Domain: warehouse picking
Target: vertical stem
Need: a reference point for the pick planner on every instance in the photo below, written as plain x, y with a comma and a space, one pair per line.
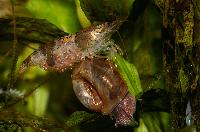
14, 51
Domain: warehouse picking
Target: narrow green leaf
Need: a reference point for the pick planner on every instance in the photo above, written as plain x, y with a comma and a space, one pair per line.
81, 15
129, 74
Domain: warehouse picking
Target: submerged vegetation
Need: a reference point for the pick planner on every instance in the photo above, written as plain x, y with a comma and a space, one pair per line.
150, 47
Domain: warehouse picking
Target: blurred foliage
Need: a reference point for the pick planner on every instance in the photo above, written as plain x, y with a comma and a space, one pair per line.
183, 80
106, 10
153, 122
50, 96
62, 13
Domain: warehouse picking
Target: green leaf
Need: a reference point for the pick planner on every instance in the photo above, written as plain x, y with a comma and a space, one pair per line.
129, 74
59, 12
